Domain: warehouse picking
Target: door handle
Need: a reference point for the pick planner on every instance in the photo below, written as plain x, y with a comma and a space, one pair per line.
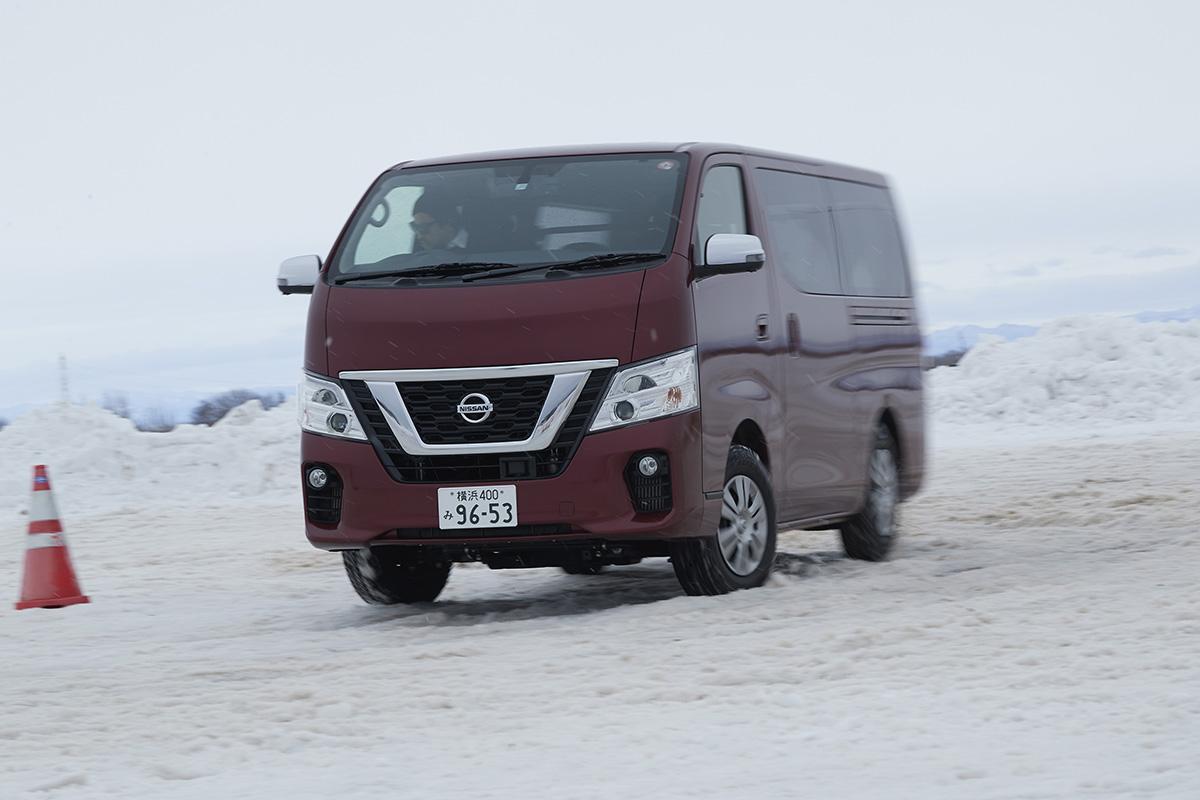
760, 326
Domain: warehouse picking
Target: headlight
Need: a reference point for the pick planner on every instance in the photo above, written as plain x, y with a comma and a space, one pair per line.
667, 385
324, 408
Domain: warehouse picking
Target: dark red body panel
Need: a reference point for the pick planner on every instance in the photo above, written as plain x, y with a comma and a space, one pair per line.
316, 356
590, 495
531, 322
665, 322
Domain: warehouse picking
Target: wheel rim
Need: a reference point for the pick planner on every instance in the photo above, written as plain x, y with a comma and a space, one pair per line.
742, 533
884, 488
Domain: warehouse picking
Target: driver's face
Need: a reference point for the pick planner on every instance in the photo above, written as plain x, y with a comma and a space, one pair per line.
432, 235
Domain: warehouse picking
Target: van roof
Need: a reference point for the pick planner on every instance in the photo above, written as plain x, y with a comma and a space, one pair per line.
698, 149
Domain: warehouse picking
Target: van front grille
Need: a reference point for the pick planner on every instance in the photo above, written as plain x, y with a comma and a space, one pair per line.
478, 467
516, 402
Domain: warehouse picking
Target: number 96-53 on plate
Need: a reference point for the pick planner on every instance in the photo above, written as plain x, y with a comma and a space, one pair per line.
477, 507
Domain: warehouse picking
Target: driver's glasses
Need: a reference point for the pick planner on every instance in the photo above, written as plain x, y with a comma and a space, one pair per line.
422, 228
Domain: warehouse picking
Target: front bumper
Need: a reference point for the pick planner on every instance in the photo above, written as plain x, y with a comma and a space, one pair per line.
590, 496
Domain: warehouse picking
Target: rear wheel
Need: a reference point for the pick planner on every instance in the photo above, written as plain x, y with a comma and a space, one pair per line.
870, 534
386, 576
740, 554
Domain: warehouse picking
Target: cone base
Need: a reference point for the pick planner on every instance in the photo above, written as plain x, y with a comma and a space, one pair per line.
53, 602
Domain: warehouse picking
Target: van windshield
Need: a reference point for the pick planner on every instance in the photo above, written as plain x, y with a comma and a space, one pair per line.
511, 216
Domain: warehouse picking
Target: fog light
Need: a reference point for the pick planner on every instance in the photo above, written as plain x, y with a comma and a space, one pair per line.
317, 478
648, 466
338, 422
648, 478
624, 410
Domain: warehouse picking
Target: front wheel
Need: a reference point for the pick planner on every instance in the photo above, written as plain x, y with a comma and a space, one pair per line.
386, 576
741, 552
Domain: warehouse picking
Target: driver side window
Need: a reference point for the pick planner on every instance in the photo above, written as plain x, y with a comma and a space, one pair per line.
721, 207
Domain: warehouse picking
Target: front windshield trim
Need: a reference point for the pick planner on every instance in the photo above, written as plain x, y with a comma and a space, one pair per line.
336, 273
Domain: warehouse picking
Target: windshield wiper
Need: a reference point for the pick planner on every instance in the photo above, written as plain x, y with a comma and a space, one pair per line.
437, 270
591, 262
609, 260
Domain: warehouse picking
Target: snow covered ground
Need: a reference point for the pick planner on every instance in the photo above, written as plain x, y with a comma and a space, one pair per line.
1036, 635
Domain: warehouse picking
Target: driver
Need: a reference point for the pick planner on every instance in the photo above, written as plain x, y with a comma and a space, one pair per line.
436, 224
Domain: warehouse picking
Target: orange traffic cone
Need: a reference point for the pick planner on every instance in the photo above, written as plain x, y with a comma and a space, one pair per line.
49, 579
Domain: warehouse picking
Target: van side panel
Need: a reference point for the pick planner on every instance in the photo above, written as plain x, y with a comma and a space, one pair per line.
738, 365
820, 465
886, 369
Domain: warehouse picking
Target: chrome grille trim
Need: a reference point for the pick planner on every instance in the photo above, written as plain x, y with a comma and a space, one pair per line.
569, 380
476, 373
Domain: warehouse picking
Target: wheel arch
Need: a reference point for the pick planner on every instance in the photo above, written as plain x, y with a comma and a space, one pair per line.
748, 434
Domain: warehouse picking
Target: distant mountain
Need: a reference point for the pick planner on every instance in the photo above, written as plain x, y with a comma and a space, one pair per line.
963, 337
1180, 315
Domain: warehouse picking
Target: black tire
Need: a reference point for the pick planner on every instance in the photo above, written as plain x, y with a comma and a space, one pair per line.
384, 576
702, 565
870, 534
583, 569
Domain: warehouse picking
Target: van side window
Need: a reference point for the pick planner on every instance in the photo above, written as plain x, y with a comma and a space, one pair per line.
799, 230
868, 240
721, 208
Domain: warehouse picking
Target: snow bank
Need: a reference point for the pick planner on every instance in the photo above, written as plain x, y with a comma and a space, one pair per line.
1076, 373
101, 461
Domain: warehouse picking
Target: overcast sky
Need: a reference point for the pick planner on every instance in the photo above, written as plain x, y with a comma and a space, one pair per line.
157, 160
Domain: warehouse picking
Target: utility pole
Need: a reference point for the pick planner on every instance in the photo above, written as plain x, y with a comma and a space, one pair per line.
64, 385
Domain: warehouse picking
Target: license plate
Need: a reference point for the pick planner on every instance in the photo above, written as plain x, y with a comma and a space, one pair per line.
477, 507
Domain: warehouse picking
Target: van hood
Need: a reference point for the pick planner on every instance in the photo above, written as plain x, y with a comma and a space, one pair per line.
572, 319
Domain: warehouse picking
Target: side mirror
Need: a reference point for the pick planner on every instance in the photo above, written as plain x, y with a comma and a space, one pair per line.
299, 275
728, 253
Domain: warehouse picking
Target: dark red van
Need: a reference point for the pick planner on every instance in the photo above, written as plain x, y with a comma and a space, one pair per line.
586, 356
